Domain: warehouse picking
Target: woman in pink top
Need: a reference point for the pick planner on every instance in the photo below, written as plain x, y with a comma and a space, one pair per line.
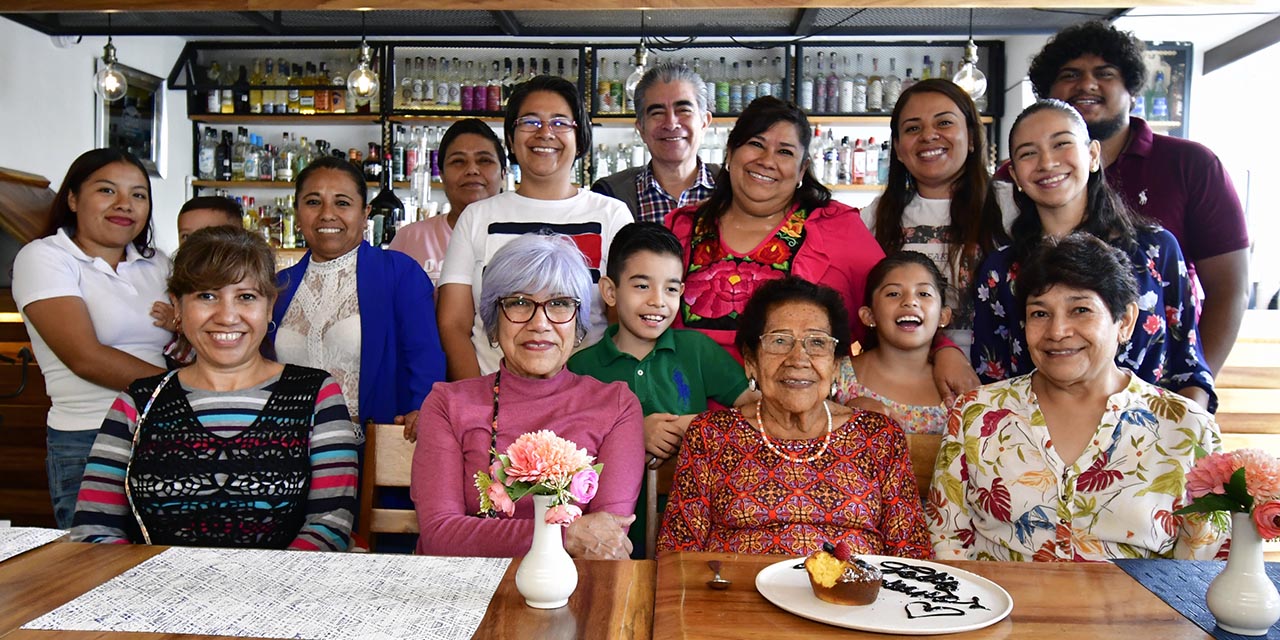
531, 307
472, 167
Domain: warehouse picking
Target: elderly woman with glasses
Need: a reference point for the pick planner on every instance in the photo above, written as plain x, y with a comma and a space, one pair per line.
546, 129
798, 469
534, 290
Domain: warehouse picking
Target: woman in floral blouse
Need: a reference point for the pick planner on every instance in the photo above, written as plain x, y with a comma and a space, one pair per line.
798, 469
1080, 459
770, 217
1057, 171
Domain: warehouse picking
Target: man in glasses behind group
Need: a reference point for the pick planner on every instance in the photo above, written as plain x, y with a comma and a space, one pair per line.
546, 129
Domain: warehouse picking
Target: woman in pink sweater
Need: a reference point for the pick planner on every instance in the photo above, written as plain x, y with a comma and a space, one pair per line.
531, 307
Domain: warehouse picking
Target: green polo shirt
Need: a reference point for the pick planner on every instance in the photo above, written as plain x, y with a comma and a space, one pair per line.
684, 369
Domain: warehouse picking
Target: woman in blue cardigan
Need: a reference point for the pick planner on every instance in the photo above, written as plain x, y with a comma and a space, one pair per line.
363, 314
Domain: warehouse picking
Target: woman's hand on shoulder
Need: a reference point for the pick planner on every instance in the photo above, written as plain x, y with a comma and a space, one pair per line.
165, 315
599, 536
953, 374
410, 422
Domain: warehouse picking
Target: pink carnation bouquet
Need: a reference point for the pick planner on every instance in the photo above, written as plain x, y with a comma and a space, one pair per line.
540, 463
1241, 481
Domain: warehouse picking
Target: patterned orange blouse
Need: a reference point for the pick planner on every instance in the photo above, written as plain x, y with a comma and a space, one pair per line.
731, 494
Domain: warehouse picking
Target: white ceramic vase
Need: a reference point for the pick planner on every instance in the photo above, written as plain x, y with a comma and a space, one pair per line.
1242, 598
547, 576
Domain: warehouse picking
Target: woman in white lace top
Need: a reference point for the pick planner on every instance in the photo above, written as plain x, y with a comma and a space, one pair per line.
363, 314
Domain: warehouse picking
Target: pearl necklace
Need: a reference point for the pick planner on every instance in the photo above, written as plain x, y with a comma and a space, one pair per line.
783, 454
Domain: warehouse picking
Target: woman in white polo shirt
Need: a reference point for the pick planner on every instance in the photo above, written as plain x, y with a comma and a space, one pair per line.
85, 291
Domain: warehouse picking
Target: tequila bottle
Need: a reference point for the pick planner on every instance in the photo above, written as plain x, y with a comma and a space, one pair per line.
875, 88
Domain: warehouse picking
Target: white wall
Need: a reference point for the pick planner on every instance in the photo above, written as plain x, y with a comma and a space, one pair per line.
47, 111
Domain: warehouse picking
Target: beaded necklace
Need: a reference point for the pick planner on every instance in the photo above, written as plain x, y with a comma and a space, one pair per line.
784, 454
493, 436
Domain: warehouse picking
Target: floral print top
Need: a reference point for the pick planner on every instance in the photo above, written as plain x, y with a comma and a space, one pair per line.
913, 418
718, 282
732, 494
1000, 491
1164, 349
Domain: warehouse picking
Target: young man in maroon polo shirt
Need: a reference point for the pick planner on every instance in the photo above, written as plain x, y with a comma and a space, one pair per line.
1179, 183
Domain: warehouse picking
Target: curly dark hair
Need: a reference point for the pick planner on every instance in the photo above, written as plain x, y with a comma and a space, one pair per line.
775, 293
1079, 261
1117, 47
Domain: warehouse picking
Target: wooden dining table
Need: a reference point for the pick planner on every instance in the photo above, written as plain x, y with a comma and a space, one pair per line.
614, 599
1050, 602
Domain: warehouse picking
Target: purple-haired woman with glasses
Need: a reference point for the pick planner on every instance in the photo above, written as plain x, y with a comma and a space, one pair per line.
533, 309
546, 130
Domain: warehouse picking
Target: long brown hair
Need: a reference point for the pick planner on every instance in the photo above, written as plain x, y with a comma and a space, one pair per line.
967, 191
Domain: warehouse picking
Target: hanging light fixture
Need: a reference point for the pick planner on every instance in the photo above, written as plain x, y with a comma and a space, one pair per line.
970, 77
642, 57
363, 82
108, 82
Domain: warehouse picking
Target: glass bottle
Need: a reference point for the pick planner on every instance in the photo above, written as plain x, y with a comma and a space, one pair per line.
252, 156
764, 87
892, 86
722, 87
387, 209
426, 75
407, 80
206, 159
226, 97
238, 151
222, 157
875, 88
295, 85
442, 83
849, 90
618, 89
281, 81
833, 85
214, 97
806, 87
493, 90
255, 87
322, 88
338, 88
307, 92
819, 81
926, 69
466, 87
750, 88
455, 84
735, 90
285, 159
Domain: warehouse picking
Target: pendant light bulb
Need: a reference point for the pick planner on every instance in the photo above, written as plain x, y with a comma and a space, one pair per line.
363, 82
970, 77
642, 57
108, 82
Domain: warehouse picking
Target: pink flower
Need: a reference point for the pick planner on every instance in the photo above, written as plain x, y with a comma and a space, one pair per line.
542, 456
1151, 325
1261, 473
1267, 517
501, 501
563, 514
1210, 475
584, 484
724, 287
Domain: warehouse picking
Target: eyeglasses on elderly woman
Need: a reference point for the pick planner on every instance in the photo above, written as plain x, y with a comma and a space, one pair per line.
519, 309
814, 344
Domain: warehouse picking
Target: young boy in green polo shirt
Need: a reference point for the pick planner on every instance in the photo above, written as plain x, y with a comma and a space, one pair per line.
674, 372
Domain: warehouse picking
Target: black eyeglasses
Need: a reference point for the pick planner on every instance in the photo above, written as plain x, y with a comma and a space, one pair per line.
530, 124
815, 344
519, 309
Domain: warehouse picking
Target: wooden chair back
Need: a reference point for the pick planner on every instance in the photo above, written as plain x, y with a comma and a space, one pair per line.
388, 459
657, 483
924, 452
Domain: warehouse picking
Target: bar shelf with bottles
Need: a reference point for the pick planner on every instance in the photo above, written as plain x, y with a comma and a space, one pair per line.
1164, 99
476, 77
734, 75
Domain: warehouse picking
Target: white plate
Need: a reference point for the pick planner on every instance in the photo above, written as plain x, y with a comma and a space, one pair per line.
788, 588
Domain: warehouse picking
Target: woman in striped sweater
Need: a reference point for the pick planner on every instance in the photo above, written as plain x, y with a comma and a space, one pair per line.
233, 450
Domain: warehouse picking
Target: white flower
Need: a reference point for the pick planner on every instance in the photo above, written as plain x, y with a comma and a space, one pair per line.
1147, 301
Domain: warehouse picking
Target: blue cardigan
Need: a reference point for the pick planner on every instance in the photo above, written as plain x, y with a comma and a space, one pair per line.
400, 354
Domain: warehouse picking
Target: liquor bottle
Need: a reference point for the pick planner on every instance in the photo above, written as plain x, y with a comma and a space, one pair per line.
892, 86
908, 81
266, 162
425, 73
338, 90
806, 87
604, 93
240, 92
407, 82
735, 90
493, 90
433, 152
397, 156
559, 68
373, 163
288, 225
306, 153
442, 83
859, 89
882, 168
875, 88
206, 160
815, 151
1139, 105
843, 160
508, 83
750, 88
386, 208
764, 87
846, 90
222, 157
255, 87
295, 83
573, 70
1159, 98
926, 69
322, 94
238, 151
944, 69
819, 81
708, 89
833, 84
779, 80
285, 157
618, 89
859, 163
466, 87
281, 80
250, 166
871, 173
1175, 93
307, 95
455, 84
546, 66
214, 98
829, 167
722, 87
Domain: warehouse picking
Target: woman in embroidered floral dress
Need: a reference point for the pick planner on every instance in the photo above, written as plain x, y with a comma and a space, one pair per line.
799, 469
769, 217
1080, 459
1058, 173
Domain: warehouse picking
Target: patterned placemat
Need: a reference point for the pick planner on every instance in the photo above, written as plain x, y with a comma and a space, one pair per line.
1182, 585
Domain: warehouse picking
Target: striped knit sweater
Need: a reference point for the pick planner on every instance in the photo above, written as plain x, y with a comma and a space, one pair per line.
326, 500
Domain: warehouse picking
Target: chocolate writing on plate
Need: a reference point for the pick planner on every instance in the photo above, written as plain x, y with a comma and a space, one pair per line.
931, 600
